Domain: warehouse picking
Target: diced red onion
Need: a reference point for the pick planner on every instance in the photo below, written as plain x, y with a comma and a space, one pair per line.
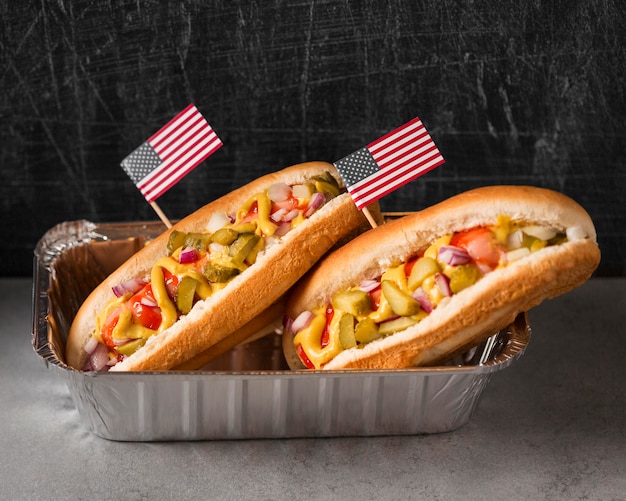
188, 255
369, 285
291, 215
443, 282
133, 285
575, 233
283, 229
278, 192
287, 323
91, 345
302, 321
99, 358
422, 297
484, 268
217, 220
317, 200
278, 215
454, 256
112, 362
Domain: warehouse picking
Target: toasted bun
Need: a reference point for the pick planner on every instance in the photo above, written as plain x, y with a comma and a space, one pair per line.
244, 298
473, 314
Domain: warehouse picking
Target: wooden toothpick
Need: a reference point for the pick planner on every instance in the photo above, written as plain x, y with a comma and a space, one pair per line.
160, 213
369, 217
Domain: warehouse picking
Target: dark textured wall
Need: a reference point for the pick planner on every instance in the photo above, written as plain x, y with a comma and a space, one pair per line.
513, 91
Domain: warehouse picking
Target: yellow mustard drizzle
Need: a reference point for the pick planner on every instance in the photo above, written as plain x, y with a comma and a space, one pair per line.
309, 337
261, 225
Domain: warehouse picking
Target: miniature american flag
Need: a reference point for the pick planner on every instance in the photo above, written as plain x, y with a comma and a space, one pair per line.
384, 165
171, 153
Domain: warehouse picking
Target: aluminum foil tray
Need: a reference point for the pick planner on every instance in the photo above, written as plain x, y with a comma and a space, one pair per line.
248, 392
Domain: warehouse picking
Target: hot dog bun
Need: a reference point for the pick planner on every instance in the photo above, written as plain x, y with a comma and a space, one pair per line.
245, 297
474, 313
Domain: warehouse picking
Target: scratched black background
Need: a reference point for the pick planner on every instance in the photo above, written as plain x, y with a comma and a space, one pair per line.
512, 91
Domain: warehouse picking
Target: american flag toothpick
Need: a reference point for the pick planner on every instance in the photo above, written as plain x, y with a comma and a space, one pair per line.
170, 154
388, 163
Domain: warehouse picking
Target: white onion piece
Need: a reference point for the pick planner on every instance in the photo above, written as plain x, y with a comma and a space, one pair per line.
369, 285
515, 239
302, 321
99, 358
148, 301
278, 192
540, 232
317, 200
301, 191
454, 256
422, 297
516, 254
575, 233
112, 362
91, 345
215, 247
216, 221
443, 282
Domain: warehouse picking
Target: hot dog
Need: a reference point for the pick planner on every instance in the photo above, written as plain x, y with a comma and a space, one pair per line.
213, 272
423, 288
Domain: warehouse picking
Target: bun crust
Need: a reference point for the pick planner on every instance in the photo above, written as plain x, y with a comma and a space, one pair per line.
473, 314
244, 298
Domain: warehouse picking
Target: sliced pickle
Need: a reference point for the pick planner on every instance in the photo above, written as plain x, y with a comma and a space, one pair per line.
396, 325
401, 303
366, 331
463, 276
356, 302
185, 294
346, 331
242, 246
130, 347
175, 241
198, 241
224, 236
326, 187
423, 268
216, 273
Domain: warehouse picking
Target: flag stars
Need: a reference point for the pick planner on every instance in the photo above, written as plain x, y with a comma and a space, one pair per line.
356, 166
141, 162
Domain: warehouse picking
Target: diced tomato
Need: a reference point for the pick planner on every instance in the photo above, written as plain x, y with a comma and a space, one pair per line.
408, 266
252, 213
375, 297
305, 360
481, 244
330, 313
148, 316
107, 329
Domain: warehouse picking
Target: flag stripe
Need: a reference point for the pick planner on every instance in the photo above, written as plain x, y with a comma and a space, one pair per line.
173, 161
170, 126
153, 191
387, 185
158, 181
394, 134
401, 155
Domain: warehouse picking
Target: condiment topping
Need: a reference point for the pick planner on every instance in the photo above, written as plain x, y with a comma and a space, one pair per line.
408, 292
198, 264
